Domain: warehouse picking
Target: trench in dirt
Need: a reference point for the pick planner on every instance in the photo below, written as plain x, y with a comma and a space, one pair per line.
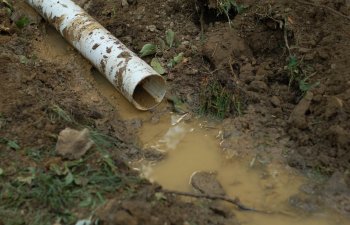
194, 145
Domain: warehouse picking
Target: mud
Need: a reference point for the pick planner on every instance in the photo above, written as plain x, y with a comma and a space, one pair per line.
286, 116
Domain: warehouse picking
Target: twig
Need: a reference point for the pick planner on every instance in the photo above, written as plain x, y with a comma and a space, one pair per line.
285, 34
325, 7
234, 201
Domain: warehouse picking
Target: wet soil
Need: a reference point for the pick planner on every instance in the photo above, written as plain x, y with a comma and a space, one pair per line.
252, 59
285, 65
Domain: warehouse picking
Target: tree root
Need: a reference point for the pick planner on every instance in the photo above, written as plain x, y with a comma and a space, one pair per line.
234, 201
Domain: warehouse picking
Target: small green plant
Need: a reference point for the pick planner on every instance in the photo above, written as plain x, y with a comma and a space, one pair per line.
157, 66
12, 144
215, 100
148, 49
176, 60
59, 113
22, 22
225, 6
298, 77
154, 49
62, 188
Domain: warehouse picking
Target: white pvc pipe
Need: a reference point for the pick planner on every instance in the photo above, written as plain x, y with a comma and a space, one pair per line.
134, 78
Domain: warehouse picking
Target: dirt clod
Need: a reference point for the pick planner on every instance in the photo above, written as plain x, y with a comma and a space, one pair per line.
298, 117
73, 144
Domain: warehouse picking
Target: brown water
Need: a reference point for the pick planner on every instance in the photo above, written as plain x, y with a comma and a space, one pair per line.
192, 146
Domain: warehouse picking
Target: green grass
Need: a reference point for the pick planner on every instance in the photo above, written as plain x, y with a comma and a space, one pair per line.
215, 100
59, 114
44, 194
61, 189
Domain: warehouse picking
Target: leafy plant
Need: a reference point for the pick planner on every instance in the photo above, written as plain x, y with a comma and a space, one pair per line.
151, 48
297, 76
148, 49
225, 6
170, 37
177, 59
154, 49
157, 66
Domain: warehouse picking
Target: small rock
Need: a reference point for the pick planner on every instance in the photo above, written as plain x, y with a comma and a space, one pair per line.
258, 86
73, 144
125, 3
334, 105
151, 28
275, 101
206, 183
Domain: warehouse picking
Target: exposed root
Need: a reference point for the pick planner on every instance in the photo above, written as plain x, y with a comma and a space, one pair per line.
234, 201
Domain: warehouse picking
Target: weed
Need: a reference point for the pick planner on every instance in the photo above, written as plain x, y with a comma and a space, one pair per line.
58, 190
59, 113
163, 45
103, 141
215, 100
238, 105
297, 77
176, 60
151, 48
22, 22
34, 154
225, 6
12, 144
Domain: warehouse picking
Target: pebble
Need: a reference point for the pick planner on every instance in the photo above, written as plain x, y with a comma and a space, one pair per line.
151, 28
275, 101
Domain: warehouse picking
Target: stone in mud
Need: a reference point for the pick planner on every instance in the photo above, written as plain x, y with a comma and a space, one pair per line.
275, 101
206, 183
73, 144
298, 117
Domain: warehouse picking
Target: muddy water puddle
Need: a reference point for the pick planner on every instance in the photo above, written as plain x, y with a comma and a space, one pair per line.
194, 145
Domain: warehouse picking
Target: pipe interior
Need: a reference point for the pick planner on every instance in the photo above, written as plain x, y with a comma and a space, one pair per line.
150, 91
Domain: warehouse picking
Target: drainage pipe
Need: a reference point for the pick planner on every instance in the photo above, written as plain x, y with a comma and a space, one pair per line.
134, 78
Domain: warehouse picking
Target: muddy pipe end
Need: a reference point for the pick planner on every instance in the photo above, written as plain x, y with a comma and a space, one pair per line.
149, 92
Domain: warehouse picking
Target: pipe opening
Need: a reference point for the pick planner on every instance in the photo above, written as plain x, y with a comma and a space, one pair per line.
149, 92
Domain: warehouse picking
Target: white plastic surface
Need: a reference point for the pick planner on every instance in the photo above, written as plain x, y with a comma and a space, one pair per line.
134, 78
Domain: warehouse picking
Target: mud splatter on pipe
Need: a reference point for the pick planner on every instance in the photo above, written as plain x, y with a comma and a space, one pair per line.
134, 78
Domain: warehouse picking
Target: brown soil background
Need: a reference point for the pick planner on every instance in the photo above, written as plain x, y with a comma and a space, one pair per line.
250, 59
